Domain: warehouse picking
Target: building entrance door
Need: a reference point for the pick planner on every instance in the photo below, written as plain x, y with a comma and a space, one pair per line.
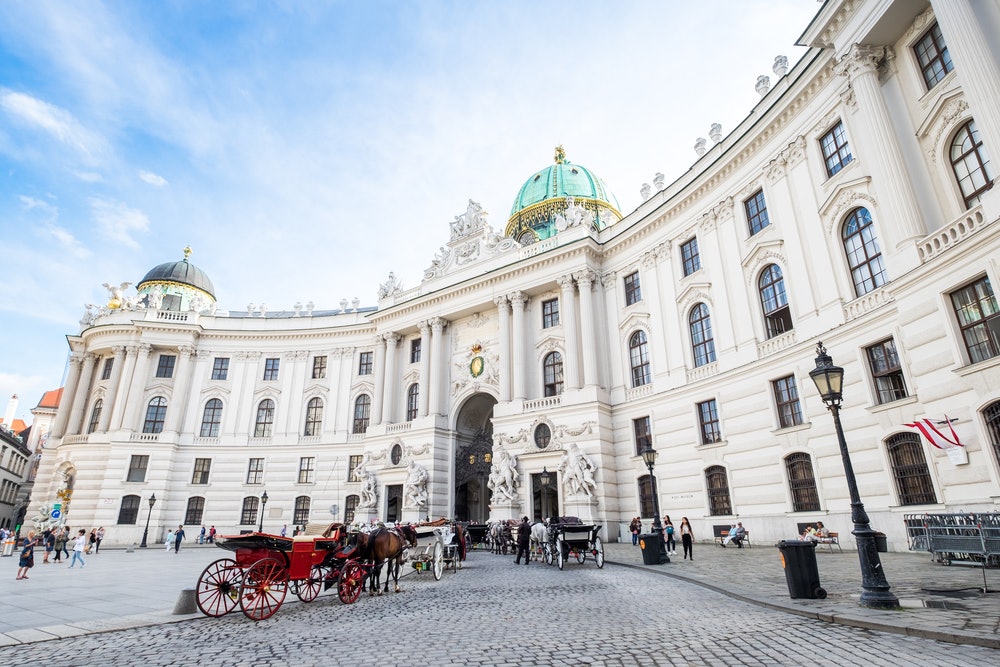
544, 497
393, 503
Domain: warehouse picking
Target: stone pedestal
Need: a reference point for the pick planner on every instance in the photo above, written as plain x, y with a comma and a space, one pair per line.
415, 514
508, 509
580, 505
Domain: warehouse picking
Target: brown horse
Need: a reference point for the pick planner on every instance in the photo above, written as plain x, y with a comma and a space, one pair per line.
384, 546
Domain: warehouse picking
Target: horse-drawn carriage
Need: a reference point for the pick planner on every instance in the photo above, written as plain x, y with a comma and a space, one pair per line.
477, 536
441, 545
569, 538
265, 566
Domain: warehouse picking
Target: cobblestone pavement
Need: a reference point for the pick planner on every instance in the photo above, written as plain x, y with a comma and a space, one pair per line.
495, 612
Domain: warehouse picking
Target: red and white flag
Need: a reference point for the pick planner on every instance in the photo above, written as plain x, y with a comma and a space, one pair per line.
934, 435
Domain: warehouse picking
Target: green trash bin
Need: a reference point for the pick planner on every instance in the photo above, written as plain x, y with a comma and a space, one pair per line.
801, 572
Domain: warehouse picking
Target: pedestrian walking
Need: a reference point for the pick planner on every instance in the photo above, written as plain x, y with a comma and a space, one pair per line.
79, 544
178, 536
49, 540
284, 530
169, 542
635, 528
211, 534
61, 538
668, 531
687, 537
202, 535
523, 540
27, 558
100, 536
91, 540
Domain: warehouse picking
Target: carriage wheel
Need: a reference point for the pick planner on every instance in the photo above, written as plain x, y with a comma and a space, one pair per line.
352, 579
599, 552
560, 557
264, 587
438, 561
309, 589
581, 555
218, 590
548, 554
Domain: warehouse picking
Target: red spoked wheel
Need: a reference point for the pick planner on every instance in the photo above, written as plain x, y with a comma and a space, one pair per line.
219, 586
309, 589
265, 584
352, 580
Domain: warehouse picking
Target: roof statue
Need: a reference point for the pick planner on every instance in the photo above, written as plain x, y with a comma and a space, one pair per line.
390, 287
469, 222
560, 157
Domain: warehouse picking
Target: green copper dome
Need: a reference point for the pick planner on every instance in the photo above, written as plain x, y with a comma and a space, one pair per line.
546, 193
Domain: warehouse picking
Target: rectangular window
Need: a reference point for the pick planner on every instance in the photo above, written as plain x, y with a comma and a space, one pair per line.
248, 515
888, 376
786, 399
690, 256
643, 434
307, 468
220, 368
932, 54
201, 469
129, 511
836, 152
165, 367
301, 515
255, 471
108, 365
365, 363
352, 467
415, 351
319, 368
756, 209
633, 294
550, 313
137, 468
708, 421
271, 368
976, 309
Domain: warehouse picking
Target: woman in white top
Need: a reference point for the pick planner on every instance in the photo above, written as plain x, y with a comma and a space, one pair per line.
79, 544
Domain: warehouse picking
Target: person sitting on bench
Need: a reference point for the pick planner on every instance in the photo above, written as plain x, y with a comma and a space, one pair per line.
736, 534
821, 532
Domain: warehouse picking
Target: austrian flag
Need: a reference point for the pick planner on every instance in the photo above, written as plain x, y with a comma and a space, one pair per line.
930, 430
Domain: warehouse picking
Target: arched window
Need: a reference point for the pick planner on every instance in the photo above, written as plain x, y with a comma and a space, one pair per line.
971, 164
717, 482
646, 496
774, 301
702, 343
638, 355
195, 511
314, 417
362, 413
412, 401
156, 412
350, 506
552, 374
863, 254
129, 511
265, 419
301, 515
248, 515
992, 417
95, 415
909, 469
211, 418
802, 483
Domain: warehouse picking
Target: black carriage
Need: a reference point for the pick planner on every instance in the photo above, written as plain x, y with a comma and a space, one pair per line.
568, 537
477, 536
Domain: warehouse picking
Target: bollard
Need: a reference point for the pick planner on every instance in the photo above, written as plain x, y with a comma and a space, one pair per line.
130, 548
186, 602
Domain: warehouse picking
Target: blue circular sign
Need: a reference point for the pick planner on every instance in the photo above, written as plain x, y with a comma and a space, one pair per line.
56, 514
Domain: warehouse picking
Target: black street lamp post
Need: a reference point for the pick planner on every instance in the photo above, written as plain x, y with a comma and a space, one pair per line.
145, 533
545, 478
829, 381
263, 504
649, 457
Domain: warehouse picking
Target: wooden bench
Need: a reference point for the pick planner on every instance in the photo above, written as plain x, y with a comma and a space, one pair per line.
833, 539
722, 532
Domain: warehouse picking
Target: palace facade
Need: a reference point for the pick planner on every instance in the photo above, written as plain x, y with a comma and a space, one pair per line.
534, 362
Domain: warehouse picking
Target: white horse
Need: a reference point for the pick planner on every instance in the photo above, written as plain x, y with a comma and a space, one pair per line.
539, 536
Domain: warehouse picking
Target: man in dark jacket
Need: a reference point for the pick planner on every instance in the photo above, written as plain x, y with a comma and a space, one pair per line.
523, 540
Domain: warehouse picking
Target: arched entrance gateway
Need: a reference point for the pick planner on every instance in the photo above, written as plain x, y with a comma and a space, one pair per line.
473, 458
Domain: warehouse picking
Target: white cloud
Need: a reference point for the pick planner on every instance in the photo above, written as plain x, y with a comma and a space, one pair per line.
117, 221
152, 179
30, 203
57, 122
89, 177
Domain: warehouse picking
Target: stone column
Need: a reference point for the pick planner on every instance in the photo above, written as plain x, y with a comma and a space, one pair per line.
567, 309
69, 394
342, 395
425, 368
613, 363
137, 388
970, 48
390, 382
292, 383
519, 302
378, 378
503, 310
438, 364
80, 396
585, 281
898, 212
121, 396
180, 396
111, 396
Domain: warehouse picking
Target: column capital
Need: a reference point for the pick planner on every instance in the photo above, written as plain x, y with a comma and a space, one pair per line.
424, 327
76, 359
861, 59
501, 301
118, 351
185, 350
519, 299
203, 354
392, 338
438, 323
608, 279
585, 279
565, 282
144, 349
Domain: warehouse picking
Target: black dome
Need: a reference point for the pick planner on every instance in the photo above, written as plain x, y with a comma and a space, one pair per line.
180, 272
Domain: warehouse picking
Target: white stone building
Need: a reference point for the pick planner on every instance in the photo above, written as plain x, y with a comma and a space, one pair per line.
852, 206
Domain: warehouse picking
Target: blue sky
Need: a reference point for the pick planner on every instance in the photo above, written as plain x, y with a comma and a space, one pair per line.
306, 149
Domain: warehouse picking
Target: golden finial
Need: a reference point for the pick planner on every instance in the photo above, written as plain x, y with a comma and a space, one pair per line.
560, 155
187, 252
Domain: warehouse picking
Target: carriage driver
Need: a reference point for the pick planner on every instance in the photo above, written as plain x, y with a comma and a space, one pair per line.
523, 540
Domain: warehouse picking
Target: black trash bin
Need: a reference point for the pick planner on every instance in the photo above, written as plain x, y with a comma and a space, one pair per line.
650, 543
799, 560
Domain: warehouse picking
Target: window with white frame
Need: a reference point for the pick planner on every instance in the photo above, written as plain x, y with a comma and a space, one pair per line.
638, 354
702, 341
886, 372
756, 210
971, 164
265, 419
863, 254
307, 470
774, 301
211, 419
978, 318
932, 54
314, 417
633, 291
836, 151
